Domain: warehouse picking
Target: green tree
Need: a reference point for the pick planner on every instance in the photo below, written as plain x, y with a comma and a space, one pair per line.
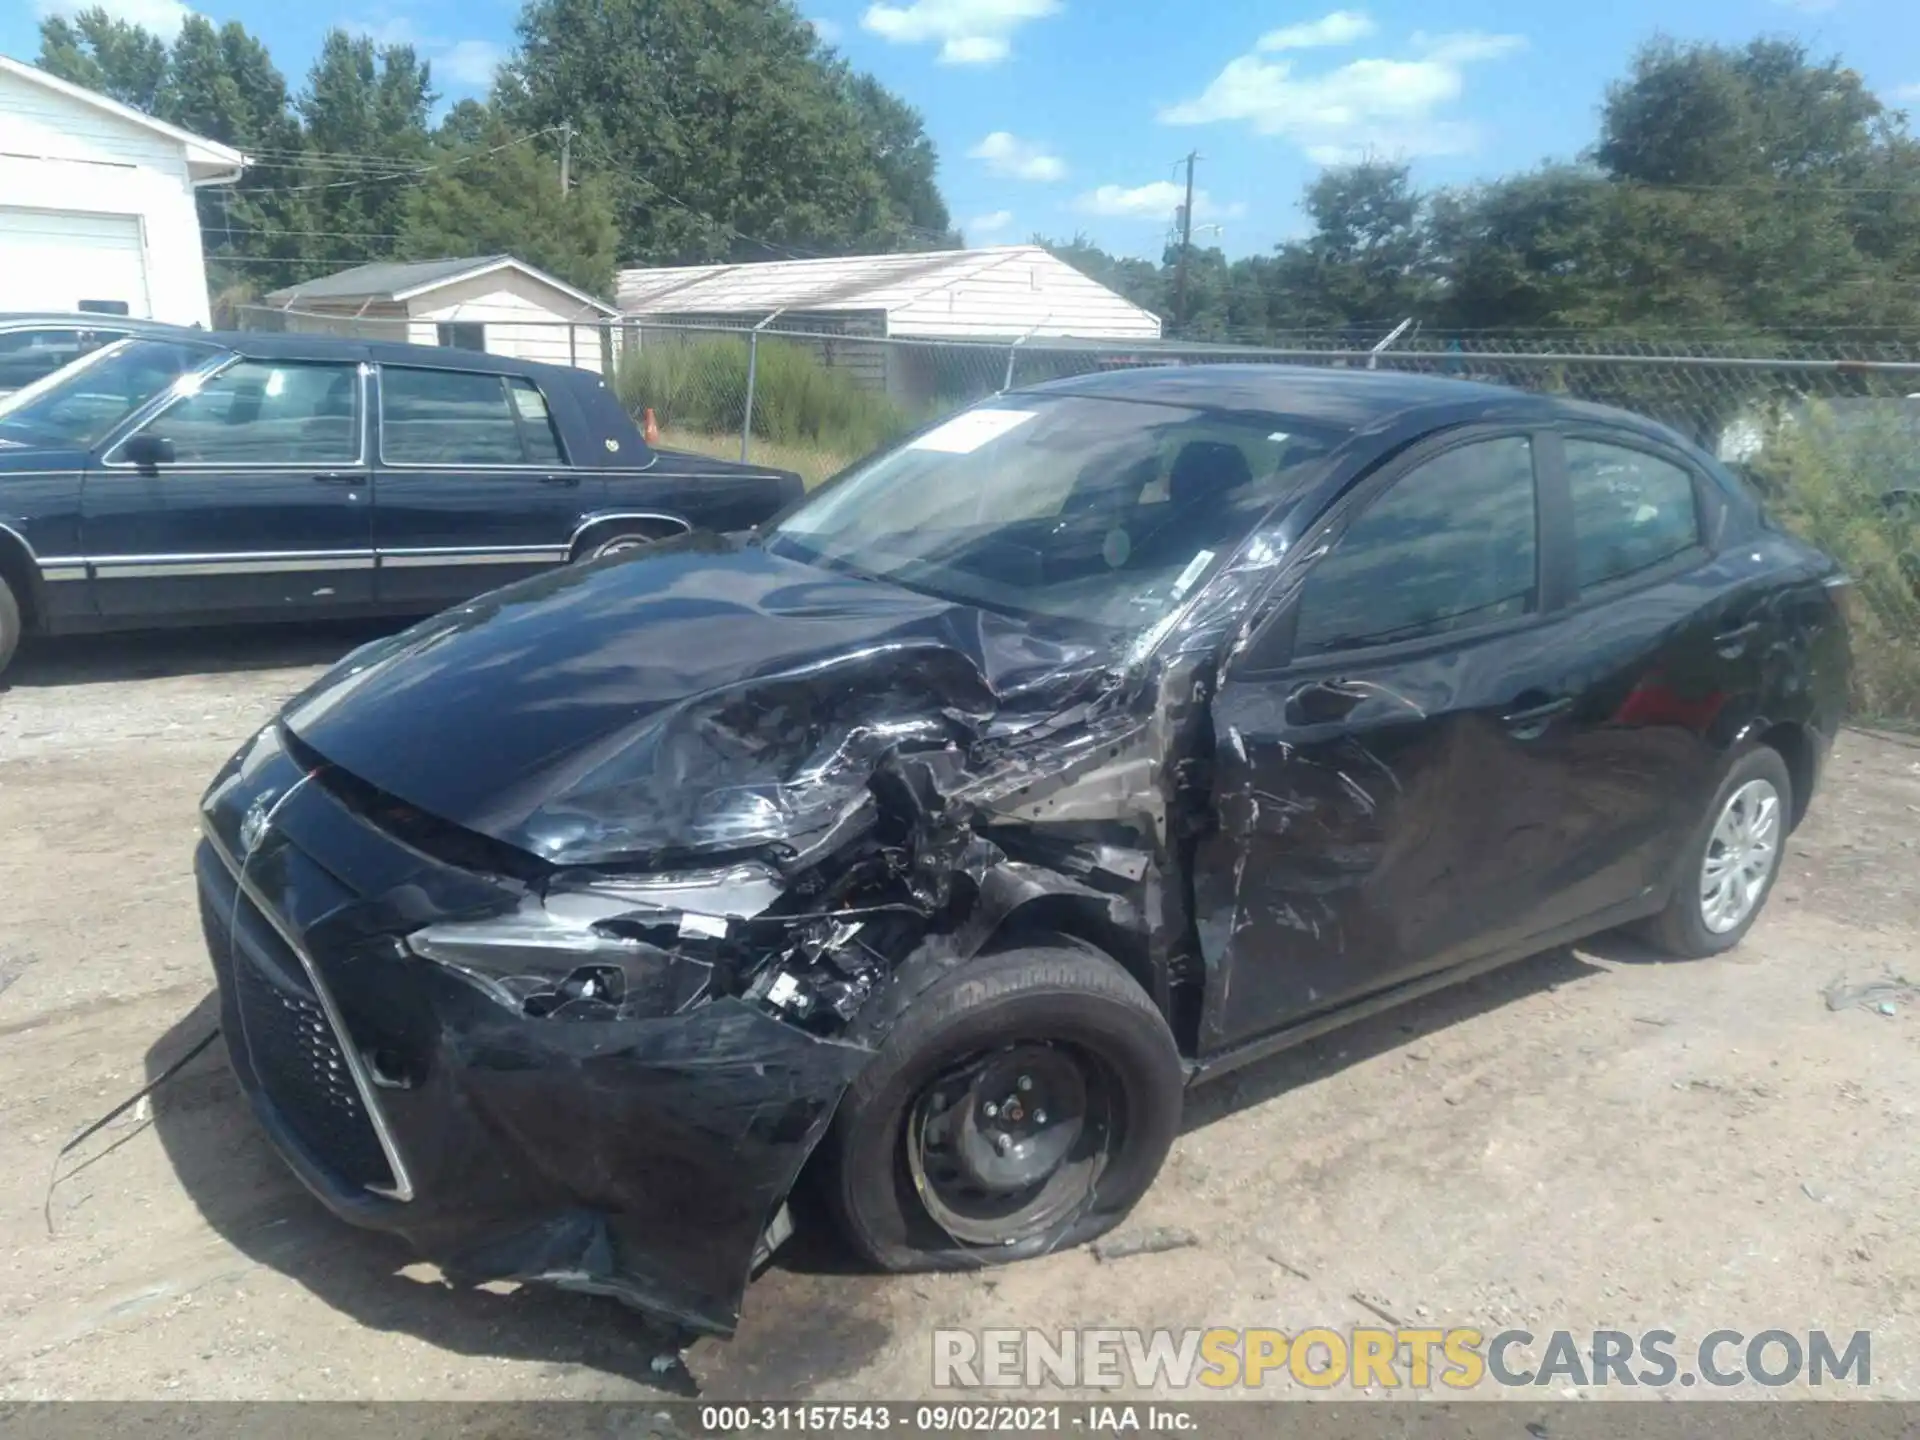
222, 83
724, 130
896, 137
108, 55
364, 114
493, 194
1369, 259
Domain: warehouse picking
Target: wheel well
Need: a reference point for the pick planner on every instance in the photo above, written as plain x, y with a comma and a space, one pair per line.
23, 578
654, 527
1082, 918
1796, 748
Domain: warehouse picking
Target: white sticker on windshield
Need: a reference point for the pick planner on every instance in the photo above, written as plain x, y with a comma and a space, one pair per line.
966, 433
1196, 567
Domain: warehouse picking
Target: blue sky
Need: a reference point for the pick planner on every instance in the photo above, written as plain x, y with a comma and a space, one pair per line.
1060, 116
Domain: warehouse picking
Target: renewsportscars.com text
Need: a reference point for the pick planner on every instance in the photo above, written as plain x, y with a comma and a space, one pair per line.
1365, 1357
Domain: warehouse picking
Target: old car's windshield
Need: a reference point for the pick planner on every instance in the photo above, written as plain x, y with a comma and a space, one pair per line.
80, 404
1103, 511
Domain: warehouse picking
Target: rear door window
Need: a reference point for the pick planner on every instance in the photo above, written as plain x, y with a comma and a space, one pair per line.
1450, 546
1632, 511
457, 417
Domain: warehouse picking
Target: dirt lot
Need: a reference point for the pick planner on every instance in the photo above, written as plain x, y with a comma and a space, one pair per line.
1585, 1140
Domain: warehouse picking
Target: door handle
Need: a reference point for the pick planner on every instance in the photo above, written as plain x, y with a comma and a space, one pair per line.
1531, 722
1731, 642
335, 477
559, 479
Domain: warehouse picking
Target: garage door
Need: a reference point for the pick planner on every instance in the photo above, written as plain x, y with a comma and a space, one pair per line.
55, 259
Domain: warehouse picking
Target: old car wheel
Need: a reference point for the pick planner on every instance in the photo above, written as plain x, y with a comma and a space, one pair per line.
9, 625
1729, 866
1024, 1103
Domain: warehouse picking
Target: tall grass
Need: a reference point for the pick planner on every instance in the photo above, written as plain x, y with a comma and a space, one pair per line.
699, 386
1827, 476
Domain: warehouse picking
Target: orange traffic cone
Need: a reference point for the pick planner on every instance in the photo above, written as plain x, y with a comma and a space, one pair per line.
651, 429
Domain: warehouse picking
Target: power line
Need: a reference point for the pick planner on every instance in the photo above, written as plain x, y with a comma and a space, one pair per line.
217, 231
413, 174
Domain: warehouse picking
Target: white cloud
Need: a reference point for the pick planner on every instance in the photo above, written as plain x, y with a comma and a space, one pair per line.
1368, 105
828, 30
1018, 159
1907, 92
1157, 200
970, 32
992, 223
163, 17
472, 62
1342, 27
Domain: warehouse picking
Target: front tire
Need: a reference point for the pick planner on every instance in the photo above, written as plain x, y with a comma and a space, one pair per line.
9, 625
1730, 862
1025, 1103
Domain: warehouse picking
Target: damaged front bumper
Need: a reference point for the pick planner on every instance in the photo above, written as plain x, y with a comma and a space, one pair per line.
633, 1136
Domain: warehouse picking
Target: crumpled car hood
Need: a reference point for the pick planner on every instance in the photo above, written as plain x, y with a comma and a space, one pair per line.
705, 696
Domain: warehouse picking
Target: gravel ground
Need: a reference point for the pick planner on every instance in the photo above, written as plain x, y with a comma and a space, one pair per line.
1590, 1139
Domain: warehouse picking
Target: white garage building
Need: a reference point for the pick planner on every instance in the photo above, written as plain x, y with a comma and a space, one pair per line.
97, 203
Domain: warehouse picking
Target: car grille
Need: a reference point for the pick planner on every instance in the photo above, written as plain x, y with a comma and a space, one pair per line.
293, 1050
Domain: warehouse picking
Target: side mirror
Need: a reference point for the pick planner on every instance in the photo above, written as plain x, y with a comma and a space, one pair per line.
148, 452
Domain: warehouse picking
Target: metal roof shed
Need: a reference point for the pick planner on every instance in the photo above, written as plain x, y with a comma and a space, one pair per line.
996, 295
1000, 293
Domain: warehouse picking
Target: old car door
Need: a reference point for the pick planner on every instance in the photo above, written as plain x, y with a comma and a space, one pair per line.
475, 487
1383, 805
247, 493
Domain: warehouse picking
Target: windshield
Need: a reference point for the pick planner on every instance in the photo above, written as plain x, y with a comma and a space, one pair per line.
82, 403
1108, 512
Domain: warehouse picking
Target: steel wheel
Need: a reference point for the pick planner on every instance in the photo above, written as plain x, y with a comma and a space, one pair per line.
1740, 856
1007, 1145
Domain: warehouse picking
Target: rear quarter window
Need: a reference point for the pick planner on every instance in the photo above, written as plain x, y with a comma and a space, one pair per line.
1632, 511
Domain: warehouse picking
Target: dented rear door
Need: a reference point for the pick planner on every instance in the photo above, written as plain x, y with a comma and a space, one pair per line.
1387, 770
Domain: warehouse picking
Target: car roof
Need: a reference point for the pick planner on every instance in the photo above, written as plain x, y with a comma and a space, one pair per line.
276, 345
89, 320
279, 345
1329, 396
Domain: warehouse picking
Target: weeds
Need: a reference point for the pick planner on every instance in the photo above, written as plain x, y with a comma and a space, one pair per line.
699, 387
1836, 478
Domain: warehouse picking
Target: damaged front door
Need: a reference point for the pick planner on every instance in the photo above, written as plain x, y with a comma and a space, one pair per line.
1381, 794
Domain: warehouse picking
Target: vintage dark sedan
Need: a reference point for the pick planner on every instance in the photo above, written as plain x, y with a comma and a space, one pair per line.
1094, 742
203, 478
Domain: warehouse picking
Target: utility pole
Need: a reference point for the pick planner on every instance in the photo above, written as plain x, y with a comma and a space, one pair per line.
1186, 249
566, 156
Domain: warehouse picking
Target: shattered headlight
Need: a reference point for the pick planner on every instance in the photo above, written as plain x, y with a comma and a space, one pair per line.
599, 947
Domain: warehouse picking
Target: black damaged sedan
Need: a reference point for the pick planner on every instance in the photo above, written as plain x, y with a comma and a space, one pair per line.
933, 840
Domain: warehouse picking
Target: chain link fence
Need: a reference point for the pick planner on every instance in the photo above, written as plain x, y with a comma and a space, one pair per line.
1828, 432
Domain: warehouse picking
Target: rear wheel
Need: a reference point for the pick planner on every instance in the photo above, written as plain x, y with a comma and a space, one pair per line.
1730, 863
619, 544
1024, 1103
9, 625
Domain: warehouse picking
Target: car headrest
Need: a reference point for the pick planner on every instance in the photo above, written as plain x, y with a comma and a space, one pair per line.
1204, 469
338, 401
